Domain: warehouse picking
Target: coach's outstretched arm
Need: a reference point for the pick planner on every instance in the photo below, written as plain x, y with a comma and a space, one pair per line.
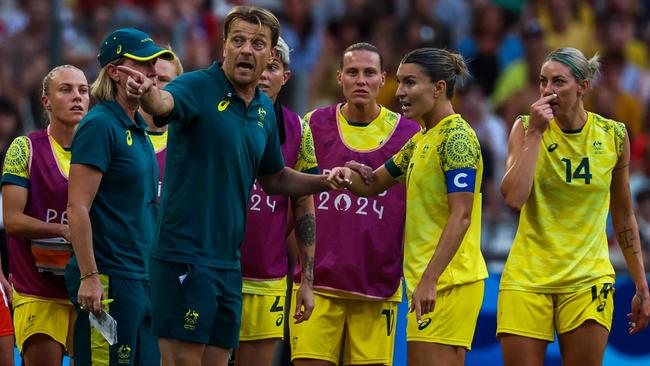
153, 100
292, 183
361, 180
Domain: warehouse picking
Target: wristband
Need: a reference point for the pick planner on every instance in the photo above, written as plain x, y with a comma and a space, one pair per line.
89, 274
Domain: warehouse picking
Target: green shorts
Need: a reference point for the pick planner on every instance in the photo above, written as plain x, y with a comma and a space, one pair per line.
194, 303
131, 308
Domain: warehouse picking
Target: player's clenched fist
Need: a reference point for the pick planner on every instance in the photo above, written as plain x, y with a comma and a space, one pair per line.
137, 83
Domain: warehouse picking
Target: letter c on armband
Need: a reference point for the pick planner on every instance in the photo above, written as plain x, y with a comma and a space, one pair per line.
460, 180
457, 181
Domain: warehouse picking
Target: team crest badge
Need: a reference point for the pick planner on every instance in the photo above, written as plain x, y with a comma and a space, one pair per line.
191, 319
124, 354
262, 114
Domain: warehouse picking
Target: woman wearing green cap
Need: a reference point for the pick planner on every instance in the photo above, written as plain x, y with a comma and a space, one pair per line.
566, 169
112, 205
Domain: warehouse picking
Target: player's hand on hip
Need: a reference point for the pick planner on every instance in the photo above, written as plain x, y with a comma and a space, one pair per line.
137, 84
423, 300
363, 170
640, 312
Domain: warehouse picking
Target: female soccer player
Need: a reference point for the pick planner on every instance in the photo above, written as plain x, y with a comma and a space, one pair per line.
35, 191
566, 169
443, 265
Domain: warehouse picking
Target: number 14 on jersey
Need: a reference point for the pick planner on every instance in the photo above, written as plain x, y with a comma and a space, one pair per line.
581, 171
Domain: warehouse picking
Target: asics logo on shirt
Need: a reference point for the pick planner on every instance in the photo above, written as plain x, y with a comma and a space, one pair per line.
551, 147
129, 139
224, 103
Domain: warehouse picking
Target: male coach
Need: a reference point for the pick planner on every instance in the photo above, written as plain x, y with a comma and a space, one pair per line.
223, 135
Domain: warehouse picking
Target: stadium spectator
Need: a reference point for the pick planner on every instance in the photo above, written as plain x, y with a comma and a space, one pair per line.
516, 87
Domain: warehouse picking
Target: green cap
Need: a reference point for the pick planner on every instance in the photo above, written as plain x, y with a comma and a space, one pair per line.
132, 43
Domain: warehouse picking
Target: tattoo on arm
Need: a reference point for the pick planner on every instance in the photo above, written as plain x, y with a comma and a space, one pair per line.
626, 238
308, 270
306, 229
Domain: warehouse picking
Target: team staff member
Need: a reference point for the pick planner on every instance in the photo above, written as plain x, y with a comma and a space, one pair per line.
264, 251
358, 263
566, 168
112, 207
223, 135
166, 71
443, 265
35, 191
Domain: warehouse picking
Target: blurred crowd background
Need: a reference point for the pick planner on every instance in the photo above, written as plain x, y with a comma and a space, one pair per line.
504, 42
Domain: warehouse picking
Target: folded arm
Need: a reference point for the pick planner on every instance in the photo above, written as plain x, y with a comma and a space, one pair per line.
20, 224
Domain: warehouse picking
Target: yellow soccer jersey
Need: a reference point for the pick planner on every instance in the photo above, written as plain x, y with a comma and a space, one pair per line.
365, 137
561, 244
307, 154
442, 160
158, 140
19, 155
